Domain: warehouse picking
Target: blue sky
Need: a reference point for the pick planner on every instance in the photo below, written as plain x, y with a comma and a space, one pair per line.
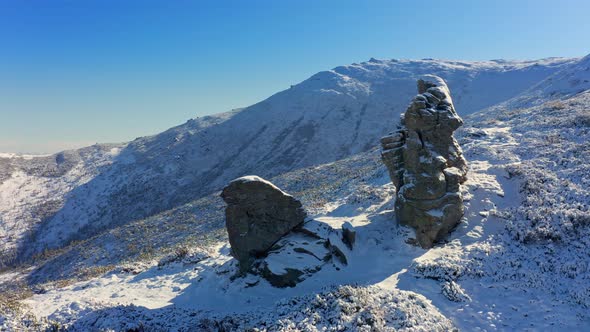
73, 73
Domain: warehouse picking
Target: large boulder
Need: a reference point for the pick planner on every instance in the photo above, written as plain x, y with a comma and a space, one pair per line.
426, 164
258, 214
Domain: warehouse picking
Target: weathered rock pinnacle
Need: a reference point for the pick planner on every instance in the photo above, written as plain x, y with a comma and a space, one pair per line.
426, 164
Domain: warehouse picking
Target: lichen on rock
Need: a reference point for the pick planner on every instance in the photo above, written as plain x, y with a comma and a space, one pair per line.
425, 163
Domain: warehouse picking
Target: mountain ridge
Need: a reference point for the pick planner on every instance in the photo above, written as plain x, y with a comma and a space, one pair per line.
331, 115
518, 259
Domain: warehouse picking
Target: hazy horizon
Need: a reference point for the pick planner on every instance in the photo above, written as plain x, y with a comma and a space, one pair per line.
75, 74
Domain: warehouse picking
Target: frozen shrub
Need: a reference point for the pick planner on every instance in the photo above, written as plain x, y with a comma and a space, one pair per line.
453, 292
185, 255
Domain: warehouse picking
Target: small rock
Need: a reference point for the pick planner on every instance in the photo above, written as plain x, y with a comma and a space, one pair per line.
348, 234
338, 248
453, 292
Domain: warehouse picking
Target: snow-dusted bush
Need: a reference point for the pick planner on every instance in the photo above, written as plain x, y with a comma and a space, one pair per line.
366, 195
15, 317
345, 308
184, 255
453, 291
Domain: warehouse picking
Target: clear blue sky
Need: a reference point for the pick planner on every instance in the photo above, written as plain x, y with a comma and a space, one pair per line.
73, 73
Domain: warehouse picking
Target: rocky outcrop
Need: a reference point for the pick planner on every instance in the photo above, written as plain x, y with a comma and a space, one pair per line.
258, 214
271, 237
301, 253
426, 164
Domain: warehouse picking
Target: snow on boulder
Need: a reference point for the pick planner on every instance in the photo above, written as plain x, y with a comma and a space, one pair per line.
426, 164
258, 214
301, 253
293, 258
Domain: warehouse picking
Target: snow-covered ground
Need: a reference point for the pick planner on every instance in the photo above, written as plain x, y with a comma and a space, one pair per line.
481, 279
519, 260
332, 115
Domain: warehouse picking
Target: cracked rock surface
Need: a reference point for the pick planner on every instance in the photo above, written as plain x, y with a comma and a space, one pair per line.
426, 164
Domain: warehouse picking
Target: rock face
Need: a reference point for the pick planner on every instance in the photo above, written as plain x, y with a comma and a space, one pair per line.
271, 237
426, 164
348, 234
258, 214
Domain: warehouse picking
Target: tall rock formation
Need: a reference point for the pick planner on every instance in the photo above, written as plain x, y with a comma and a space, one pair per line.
426, 164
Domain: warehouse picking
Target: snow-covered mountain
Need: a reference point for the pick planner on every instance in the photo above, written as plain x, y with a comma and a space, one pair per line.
153, 252
334, 114
569, 81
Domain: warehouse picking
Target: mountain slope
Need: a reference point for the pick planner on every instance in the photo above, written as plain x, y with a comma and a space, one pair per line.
519, 259
567, 82
332, 115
